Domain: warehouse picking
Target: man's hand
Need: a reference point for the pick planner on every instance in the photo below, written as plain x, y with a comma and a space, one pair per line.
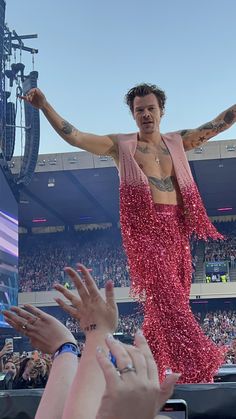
44, 331
89, 308
35, 97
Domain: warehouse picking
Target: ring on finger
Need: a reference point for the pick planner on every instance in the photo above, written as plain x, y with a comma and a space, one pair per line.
24, 326
128, 368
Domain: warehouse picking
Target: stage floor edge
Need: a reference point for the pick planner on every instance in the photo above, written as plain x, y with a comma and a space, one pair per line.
215, 401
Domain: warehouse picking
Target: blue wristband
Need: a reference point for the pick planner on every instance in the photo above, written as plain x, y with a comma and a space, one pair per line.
67, 348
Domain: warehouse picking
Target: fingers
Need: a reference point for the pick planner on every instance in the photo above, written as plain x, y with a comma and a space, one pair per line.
17, 322
24, 314
123, 359
36, 311
109, 292
142, 345
72, 311
75, 300
29, 95
89, 281
167, 388
82, 290
108, 369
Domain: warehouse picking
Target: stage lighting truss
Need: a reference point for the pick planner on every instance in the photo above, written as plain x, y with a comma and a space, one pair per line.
19, 121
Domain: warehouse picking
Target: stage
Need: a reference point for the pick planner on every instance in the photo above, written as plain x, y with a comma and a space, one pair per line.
205, 401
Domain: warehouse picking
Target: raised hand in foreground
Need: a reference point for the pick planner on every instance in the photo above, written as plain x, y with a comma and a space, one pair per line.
97, 316
133, 389
94, 313
48, 334
44, 331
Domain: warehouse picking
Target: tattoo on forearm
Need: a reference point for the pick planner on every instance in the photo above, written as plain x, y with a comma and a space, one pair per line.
213, 126
67, 128
163, 185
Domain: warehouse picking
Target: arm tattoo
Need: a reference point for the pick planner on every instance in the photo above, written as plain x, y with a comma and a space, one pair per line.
163, 185
213, 126
67, 128
144, 149
184, 132
229, 117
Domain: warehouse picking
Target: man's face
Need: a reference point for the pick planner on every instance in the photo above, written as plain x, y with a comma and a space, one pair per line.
147, 113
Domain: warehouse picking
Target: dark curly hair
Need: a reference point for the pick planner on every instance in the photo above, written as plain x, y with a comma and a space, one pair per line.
145, 89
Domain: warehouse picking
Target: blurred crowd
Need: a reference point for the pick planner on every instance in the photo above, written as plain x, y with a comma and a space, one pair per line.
42, 259
220, 326
223, 250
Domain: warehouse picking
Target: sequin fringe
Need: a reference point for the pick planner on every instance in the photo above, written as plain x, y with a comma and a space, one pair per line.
156, 240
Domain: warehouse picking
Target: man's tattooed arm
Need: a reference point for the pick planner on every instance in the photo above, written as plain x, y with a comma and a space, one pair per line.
193, 138
163, 184
67, 128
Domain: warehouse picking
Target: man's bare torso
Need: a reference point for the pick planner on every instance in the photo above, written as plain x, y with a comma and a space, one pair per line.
156, 163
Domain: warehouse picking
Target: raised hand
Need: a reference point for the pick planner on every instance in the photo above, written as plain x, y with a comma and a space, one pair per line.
91, 310
44, 331
7, 348
35, 97
133, 389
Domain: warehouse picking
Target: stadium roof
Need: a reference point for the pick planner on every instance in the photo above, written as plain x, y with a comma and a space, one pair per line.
80, 188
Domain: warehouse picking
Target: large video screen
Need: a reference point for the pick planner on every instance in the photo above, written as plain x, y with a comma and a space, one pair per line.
8, 247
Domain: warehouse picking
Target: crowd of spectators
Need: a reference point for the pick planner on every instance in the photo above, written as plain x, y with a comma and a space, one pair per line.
31, 370
42, 259
23, 370
219, 326
223, 250
127, 324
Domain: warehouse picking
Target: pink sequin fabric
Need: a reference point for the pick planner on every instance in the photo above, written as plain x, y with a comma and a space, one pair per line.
156, 241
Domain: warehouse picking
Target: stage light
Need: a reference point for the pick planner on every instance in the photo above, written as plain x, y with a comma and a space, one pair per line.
225, 209
39, 220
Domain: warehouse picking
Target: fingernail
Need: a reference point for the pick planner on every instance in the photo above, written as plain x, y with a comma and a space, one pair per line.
109, 336
99, 349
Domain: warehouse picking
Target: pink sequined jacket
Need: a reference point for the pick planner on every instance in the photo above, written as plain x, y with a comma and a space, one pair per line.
196, 219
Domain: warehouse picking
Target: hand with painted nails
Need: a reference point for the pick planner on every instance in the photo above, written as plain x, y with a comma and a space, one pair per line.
35, 97
133, 389
93, 312
44, 331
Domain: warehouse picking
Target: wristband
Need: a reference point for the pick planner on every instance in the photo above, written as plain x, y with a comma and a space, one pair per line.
67, 347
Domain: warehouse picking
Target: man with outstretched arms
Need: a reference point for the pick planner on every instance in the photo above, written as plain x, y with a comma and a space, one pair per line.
160, 209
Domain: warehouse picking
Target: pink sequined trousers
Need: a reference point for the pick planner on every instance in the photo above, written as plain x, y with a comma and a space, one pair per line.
158, 251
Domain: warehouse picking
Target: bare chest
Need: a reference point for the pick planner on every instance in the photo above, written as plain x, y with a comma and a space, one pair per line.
154, 161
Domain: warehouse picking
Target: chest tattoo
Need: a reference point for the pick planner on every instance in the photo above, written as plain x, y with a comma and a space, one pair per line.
163, 184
